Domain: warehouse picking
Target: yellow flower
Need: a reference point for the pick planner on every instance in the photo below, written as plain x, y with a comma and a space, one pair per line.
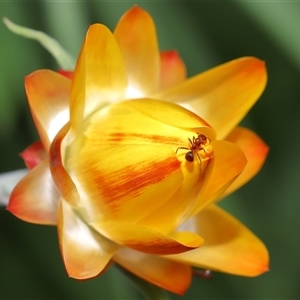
136, 182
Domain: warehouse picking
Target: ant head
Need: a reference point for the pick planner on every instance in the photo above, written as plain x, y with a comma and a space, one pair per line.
202, 137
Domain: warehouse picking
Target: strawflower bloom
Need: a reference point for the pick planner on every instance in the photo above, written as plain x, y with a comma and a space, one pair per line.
134, 157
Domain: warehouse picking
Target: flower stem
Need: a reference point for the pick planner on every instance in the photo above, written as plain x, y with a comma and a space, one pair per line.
63, 58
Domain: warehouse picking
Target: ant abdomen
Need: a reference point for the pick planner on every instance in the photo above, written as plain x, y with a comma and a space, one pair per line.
189, 156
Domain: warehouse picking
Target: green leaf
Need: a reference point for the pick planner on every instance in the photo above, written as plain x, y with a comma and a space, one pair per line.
63, 58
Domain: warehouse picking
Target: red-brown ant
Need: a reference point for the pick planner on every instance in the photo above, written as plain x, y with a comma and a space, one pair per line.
196, 145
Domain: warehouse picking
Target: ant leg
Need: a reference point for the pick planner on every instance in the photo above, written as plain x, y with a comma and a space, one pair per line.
183, 148
199, 158
203, 150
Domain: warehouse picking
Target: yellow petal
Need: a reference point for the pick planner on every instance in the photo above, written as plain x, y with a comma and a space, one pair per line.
229, 246
196, 176
169, 275
172, 69
229, 162
35, 198
85, 252
48, 96
133, 156
125, 182
222, 95
170, 114
256, 153
136, 36
147, 240
99, 76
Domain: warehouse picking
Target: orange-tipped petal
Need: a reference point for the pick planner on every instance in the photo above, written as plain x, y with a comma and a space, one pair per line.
33, 154
229, 162
222, 95
169, 275
99, 76
68, 74
85, 252
256, 153
35, 198
136, 36
48, 96
229, 246
172, 69
147, 240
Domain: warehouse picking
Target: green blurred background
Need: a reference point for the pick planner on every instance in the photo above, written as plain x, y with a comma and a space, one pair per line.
205, 34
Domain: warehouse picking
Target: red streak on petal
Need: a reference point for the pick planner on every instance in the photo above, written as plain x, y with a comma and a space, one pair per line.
158, 247
119, 136
129, 182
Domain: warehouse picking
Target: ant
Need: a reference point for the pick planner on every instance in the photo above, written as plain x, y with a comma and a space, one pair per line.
196, 145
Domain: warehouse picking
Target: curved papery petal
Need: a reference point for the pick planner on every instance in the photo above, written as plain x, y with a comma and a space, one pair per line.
170, 114
33, 154
123, 159
229, 246
147, 240
177, 208
136, 36
99, 76
61, 178
172, 69
141, 122
85, 252
125, 187
48, 96
256, 153
222, 95
35, 198
169, 275
229, 162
